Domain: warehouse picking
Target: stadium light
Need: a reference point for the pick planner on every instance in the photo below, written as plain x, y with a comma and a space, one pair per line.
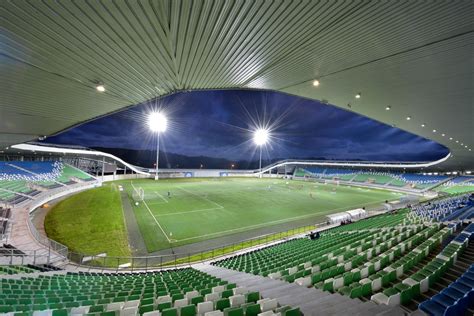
358, 95
316, 83
157, 122
260, 138
100, 87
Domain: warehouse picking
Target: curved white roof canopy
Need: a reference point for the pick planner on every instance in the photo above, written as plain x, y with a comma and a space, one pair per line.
79, 152
413, 56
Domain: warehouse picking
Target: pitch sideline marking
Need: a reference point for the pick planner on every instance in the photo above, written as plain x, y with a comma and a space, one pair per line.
187, 212
156, 221
264, 224
204, 198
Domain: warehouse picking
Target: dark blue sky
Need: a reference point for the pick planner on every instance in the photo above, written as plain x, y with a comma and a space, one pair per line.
218, 124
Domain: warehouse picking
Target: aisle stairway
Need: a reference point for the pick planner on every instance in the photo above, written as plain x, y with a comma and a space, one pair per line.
464, 261
311, 301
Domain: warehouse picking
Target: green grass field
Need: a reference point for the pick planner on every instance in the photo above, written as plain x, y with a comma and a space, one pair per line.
90, 222
200, 209
456, 189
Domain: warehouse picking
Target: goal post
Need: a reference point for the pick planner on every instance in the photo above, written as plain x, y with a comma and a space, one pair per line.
138, 194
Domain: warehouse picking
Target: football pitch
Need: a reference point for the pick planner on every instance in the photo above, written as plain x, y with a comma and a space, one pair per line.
175, 212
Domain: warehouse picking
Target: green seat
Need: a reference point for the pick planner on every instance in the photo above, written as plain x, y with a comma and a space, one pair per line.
189, 310
145, 308
222, 304
6, 309
59, 312
163, 306
96, 309
253, 310
169, 312
196, 300
292, 312
253, 297
227, 293
235, 311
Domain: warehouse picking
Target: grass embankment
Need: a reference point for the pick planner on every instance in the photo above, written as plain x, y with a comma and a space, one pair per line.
90, 222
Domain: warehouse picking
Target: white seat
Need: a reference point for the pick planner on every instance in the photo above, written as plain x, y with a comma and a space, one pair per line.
214, 313
180, 303
218, 289
267, 313
240, 290
134, 303
152, 313
133, 311
192, 294
306, 281
43, 313
114, 306
80, 310
268, 305
212, 297
205, 307
237, 300
163, 299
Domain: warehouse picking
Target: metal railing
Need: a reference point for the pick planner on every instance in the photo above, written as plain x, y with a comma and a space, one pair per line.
185, 259
49, 244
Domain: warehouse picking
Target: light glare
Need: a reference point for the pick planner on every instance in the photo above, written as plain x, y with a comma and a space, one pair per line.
100, 88
157, 122
316, 83
260, 136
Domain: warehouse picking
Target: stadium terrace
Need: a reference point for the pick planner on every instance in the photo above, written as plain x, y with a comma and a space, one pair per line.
158, 158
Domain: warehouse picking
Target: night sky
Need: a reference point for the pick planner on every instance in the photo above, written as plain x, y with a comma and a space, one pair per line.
219, 123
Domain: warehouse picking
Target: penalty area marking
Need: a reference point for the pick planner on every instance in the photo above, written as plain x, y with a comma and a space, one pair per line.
151, 213
161, 196
204, 198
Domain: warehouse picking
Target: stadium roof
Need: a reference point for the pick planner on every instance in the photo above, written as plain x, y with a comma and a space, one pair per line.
411, 57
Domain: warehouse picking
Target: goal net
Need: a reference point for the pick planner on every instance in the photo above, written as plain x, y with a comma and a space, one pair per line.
138, 194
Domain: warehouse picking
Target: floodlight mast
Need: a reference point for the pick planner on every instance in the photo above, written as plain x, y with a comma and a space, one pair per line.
157, 122
260, 138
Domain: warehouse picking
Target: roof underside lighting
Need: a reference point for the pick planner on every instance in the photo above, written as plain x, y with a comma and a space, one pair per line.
100, 87
358, 95
408, 118
388, 107
316, 83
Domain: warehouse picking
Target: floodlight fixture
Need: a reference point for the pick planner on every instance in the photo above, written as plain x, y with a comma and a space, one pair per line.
316, 83
358, 95
157, 122
100, 87
261, 136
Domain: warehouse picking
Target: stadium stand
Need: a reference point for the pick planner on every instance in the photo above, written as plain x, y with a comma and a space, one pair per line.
20, 180
396, 179
392, 259
184, 292
457, 207
30, 268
